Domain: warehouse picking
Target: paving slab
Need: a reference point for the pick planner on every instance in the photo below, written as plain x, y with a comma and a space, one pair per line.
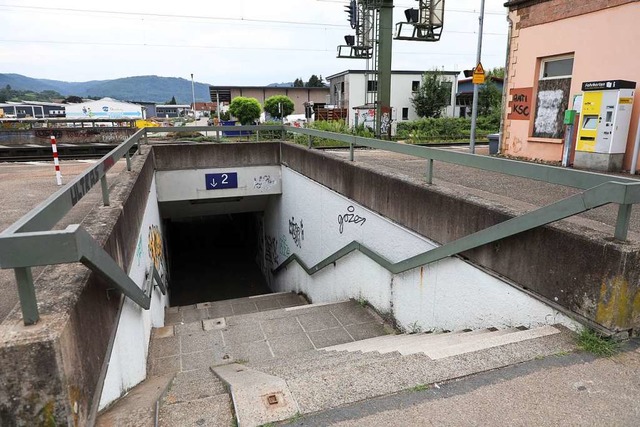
138, 407
208, 412
258, 398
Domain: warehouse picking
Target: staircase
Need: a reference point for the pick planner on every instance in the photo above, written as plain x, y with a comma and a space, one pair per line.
269, 358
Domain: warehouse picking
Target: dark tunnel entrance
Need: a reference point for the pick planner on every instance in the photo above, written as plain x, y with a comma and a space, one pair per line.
213, 258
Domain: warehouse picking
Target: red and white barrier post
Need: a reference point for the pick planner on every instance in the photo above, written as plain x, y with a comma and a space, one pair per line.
56, 162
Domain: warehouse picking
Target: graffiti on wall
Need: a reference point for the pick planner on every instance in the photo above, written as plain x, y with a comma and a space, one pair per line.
155, 245
296, 231
139, 251
520, 103
271, 250
264, 182
283, 247
349, 218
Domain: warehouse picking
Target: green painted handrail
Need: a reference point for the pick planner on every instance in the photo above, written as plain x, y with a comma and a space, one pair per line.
610, 192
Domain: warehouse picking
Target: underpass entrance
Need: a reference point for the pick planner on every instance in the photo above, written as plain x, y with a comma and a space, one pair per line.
213, 258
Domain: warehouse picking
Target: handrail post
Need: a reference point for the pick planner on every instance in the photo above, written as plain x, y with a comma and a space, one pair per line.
309, 140
105, 190
430, 171
128, 157
351, 144
622, 223
27, 295
146, 140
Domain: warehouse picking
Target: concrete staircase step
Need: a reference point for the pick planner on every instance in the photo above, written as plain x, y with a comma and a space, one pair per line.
347, 359
448, 340
302, 357
494, 339
232, 307
335, 386
394, 342
290, 312
138, 406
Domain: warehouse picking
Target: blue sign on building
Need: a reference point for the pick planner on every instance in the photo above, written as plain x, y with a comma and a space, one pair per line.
219, 181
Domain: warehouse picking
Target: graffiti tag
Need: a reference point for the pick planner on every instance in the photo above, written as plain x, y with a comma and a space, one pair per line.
349, 218
283, 248
264, 182
296, 231
271, 250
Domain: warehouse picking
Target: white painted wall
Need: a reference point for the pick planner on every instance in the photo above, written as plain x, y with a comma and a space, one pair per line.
190, 184
449, 294
128, 361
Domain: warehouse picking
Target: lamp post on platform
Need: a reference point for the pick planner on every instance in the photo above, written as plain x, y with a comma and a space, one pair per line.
474, 108
193, 96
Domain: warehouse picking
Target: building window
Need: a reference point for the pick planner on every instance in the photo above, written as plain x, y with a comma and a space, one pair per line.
552, 97
372, 86
556, 68
415, 85
342, 87
405, 113
449, 86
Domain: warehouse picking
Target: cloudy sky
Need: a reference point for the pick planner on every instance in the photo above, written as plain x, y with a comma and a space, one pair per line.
239, 42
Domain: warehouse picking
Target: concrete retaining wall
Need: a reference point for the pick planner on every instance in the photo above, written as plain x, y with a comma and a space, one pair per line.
313, 222
128, 361
578, 269
205, 156
51, 372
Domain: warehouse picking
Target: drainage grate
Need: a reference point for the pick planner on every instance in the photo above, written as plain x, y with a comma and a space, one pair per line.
272, 399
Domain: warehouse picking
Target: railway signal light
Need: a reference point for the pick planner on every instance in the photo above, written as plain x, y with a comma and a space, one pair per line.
352, 11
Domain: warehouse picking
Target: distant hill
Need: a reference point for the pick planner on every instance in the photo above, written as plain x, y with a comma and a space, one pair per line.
286, 84
138, 88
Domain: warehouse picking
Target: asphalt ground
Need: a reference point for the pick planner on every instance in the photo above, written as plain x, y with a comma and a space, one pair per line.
22, 187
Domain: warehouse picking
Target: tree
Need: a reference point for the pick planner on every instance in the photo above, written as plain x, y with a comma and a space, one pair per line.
315, 81
247, 110
173, 101
489, 98
273, 103
72, 99
433, 95
298, 83
496, 72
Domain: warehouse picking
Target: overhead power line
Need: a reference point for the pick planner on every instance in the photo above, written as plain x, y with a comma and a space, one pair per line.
183, 46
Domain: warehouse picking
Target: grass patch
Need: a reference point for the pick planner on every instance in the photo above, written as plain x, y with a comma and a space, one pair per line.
590, 341
421, 387
363, 302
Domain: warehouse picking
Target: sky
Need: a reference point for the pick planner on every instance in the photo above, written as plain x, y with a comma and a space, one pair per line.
239, 42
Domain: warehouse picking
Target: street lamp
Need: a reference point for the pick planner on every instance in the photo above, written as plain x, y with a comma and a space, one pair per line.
193, 96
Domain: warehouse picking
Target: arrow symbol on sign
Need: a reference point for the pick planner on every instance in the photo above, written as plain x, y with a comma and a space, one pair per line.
214, 183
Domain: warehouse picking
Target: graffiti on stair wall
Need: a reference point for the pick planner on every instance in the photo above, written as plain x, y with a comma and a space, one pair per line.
283, 248
155, 245
271, 251
264, 182
350, 217
296, 230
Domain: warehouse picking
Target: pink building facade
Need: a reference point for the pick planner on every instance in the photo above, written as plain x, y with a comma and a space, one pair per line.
555, 46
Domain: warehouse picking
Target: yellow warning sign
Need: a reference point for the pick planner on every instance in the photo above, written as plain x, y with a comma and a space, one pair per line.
626, 100
478, 74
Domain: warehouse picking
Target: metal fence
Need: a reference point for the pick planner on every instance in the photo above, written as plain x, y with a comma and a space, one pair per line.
29, 241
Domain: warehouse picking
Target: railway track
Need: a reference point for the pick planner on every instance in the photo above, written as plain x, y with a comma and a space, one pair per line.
34, 153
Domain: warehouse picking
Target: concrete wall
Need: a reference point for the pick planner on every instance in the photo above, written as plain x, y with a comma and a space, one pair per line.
313, 222
128, 361
203, 156
599, 42
585, 272
70, 135
53, 370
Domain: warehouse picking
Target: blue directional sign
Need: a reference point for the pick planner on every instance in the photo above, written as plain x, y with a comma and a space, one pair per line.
219, 181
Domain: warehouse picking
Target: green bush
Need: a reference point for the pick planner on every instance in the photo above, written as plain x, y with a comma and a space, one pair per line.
447, 129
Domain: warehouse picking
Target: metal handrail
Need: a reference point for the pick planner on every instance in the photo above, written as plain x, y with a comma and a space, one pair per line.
27, 242
611, 192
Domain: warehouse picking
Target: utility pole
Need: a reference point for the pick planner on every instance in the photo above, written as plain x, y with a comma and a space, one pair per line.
193, 96
385, 37
474, 111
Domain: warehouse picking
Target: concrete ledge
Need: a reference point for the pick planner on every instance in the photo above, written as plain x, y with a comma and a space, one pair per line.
200, 156
51, 371
579, 269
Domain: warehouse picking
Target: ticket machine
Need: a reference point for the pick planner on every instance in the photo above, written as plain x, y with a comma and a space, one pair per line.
604, 124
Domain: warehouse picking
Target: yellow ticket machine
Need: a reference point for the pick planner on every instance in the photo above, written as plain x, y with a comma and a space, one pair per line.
604, 124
